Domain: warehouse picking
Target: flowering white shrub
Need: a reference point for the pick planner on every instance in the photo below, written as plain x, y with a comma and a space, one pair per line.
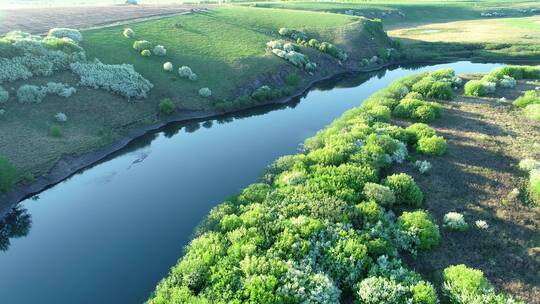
400, 154
168, 66
31, 94
303, 285
284, 31
59, 89
423, 166
159, 50
377, 290
287, 51
146, 53
380, 194
480, 224
394, 269
293, 178
490, 87
4, 95
276, 44
186, 72
529, 164
289, 47
205, 92
128, 33
121, 79
60, 117
72, 34
455, 221
507, 82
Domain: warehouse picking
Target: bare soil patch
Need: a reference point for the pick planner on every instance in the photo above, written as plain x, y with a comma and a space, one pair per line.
40, 20
486, 140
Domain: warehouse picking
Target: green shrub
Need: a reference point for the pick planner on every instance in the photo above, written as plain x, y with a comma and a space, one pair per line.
431, 88
479, 88
141, 45
380, 113
426, 113
460, 279
528, 98
167, 106
8, 175
424, 293
64, 45
369, 212
7, 49
72, 34
146, 53
292, 79
419, 130
128, 33
263, 93
55, 131
532, 111
31, 94
416, 109
434, 145
420, 224
405, 189
4, 95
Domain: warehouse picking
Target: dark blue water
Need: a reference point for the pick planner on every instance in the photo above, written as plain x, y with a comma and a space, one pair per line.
110, 233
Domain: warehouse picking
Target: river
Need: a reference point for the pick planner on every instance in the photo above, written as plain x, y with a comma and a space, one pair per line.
110, 233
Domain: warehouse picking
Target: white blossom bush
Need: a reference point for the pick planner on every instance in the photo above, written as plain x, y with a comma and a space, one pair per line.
128, 33
481, 224
4, 95
205, 92
380, 194
186, 72
423, 166
121, 79
168, 66
288, 52
529, 164
146, 53
72, 34
455, 221
507, 82
31, 94
304, 285
377, 290
60, 117
159, 50
59, 89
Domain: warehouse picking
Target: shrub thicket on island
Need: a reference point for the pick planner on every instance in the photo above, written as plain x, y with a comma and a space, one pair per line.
502, 77
318, 223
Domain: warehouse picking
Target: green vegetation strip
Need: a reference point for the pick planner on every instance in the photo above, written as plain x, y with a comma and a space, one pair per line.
330, 220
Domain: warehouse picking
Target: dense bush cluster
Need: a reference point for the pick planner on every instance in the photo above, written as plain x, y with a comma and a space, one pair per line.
504, 77
36, 94
23, 56
317, 223
121, 79
464, 285
528, 98
417, 109
291, 53
72, 34
325, 47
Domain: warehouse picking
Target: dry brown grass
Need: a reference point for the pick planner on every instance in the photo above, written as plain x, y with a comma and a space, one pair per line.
487, 139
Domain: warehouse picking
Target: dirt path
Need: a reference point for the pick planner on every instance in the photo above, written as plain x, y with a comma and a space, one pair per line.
40, 20
487, 139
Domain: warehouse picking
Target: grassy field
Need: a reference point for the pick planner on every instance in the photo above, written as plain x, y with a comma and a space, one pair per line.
225, 47
398, 14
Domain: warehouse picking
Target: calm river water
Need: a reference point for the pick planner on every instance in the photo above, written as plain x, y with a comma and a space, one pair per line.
110, 233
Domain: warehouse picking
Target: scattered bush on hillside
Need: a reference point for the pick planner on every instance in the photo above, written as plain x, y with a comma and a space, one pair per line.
289, 52
168, 66
146, 53
481, 224
55, 131
325, 47
434, 145
159, 50
60, 89
4, 95
141, 45
8, 175
205, 92
405, 189
72, 34
31, 94
167, 106
128, 33
419, 224
60, 117
464, 285
121, 79
186, 72
455, 221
